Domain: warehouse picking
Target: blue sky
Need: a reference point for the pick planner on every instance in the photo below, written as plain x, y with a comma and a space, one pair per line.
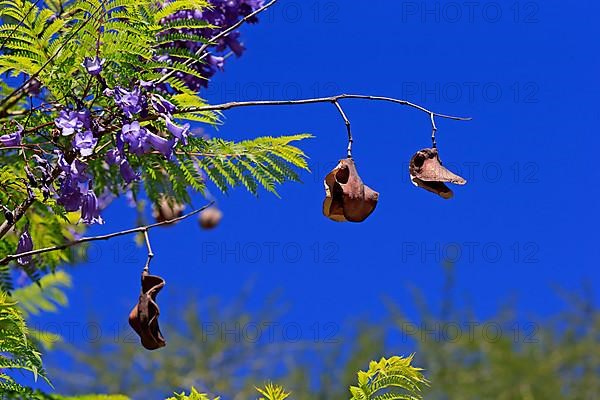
527, 74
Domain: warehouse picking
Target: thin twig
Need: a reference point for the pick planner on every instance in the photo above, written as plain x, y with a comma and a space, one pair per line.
433, 130
150, 252
211, 41
145, 229
348, 128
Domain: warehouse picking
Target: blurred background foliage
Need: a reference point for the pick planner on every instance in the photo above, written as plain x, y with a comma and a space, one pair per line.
500, 357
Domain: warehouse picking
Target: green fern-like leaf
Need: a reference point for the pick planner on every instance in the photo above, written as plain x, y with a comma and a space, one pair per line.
272, 392
194, 395
16, 350
389, 379
44, 296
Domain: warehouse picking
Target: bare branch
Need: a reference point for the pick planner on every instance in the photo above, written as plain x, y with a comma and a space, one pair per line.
332, 99
144, 229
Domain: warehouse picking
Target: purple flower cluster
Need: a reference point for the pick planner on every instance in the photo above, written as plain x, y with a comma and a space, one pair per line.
223, 14
78, 123
138, 139
75, 191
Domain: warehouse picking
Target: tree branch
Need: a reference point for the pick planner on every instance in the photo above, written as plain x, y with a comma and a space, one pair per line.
332, 99
143, 229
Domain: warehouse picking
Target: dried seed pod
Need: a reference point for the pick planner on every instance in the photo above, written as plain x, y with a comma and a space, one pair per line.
167, 209
210, 218
144, 316
347, 197
427, 172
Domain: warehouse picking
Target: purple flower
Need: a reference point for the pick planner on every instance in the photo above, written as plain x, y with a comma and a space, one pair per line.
84, 116
222, 14
12, 139
127, 172
70, 194
130, 102
85, 142
135, 136
162, 105
162, 145
25, 245
77, 169
180, 132
114, 157
90, 213
68, 121
93, 66
216, 61
74, 182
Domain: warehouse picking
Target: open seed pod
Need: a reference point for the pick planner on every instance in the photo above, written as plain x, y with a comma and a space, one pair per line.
210, 218
165, 211
347, 197
427, 172
144, 316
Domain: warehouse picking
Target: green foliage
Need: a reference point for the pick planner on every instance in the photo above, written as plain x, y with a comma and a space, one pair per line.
16, 350
194, 395
389, 379
44, 296
272, 392
90, 397
50, 45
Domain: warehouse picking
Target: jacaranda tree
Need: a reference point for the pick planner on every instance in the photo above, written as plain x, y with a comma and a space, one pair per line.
98, 101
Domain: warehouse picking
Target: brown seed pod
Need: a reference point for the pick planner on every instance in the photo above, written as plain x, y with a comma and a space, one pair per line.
427, 172
144, 316
210, 218
165, 211
347, 198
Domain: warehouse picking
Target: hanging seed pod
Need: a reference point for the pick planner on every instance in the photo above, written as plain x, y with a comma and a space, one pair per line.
347, 198
210, 218
144, 316
427, 172
167, 209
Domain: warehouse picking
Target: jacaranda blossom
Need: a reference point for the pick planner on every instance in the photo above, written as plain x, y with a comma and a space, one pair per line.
12, 139
162, 145
129, 101
135, 136
114, 157
180, 132
73, 183
162, 105
85, 142
141, 141
90, 213
222, 14
93, 65
68, 121
25, 245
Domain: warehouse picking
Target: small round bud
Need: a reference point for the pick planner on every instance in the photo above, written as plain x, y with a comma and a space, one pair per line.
167, 209
210, 218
